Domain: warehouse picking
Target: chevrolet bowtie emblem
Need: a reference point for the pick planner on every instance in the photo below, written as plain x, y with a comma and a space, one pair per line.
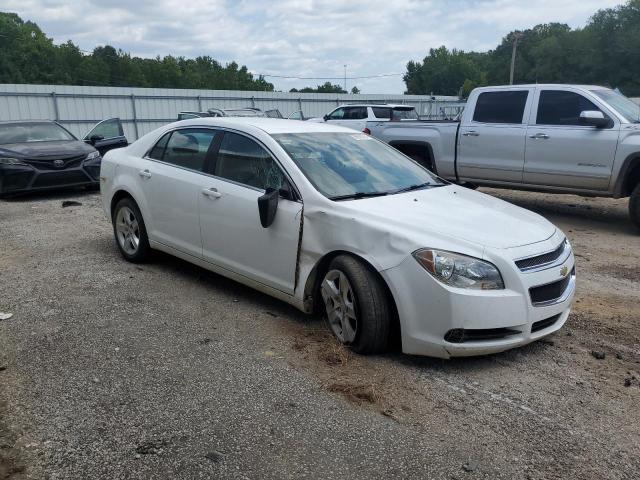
564, 270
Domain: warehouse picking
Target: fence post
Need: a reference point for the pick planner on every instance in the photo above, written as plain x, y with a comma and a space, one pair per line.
55, 105
199, 103
300, 103
135, 115
253, 101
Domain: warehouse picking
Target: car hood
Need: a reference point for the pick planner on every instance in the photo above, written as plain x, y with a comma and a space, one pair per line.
455, 212
60, 149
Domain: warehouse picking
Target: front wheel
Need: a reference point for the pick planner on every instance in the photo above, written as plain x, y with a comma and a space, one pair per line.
634, 206
130, 231
356, 304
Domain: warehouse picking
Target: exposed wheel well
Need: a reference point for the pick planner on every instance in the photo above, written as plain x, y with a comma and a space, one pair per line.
119, 195
419, 151
632, 178
312, 289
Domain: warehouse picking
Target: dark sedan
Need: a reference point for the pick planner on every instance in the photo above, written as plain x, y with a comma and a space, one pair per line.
43, 155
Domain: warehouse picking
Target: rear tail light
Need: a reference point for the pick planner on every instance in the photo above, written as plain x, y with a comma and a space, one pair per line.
367, 131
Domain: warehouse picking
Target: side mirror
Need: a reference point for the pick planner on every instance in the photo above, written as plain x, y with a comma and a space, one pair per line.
325, 118
93, 139
594, 118
268, 206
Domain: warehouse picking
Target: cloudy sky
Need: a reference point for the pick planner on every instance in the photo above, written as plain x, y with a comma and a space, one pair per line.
305, 38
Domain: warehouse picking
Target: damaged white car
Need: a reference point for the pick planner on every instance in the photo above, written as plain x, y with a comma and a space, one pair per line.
334, 221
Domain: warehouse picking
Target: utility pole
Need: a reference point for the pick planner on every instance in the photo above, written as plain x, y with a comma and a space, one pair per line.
515, 36
345, 78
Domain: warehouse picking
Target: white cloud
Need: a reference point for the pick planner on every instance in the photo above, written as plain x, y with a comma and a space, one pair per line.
301, 37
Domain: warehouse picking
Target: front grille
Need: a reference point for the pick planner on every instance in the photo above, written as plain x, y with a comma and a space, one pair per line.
70, 162
461, 335
540, 260
546, 323
551, 291
59, 179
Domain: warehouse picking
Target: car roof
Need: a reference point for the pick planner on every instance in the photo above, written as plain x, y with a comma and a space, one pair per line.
383, 105
549, 85
6, 122
266, 124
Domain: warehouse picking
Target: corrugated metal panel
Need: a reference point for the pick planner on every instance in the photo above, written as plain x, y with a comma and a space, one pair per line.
144, 109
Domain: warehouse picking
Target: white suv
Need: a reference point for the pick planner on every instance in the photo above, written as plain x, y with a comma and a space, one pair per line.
357, 116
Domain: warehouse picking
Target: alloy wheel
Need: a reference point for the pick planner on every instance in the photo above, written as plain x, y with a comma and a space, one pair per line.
339, 302
127, 230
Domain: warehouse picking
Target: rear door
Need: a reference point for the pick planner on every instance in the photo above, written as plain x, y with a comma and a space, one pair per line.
491, 144
560, 151
107, 135
172, 182
232, 235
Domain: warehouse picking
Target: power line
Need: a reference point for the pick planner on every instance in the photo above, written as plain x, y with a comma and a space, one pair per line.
295, 77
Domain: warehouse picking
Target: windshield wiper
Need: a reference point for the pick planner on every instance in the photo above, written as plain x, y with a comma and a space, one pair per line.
418, 186
358, 195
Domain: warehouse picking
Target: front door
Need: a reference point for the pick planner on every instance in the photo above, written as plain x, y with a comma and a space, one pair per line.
107, 135
561, 151
232, 236
491, 145
172, 181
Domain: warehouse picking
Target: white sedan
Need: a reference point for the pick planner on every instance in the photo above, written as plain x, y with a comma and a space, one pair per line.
331, 220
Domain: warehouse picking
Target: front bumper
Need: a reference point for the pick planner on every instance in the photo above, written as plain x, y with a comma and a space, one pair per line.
16, 179
442, 321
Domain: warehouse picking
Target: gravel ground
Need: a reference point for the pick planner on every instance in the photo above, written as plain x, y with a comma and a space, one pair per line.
111, 370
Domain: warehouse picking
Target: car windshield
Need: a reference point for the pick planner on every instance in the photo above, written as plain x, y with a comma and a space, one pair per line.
343, 165
405, 114
624, 106
32, 132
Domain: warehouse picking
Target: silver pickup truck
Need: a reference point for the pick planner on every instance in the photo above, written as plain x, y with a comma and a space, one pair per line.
556, 138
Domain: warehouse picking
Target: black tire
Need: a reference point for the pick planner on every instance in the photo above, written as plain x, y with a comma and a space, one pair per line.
634, 206
143, 250
371, 305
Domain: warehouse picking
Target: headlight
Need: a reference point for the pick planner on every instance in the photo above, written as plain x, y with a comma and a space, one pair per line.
93, 155
10, 161
460, 270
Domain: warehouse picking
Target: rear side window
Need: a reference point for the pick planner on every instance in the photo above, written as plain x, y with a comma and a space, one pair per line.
380, 112
185, 148
557, 107
500, 107
244, 161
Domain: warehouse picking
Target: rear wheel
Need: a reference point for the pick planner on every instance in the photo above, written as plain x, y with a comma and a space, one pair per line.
356, 305
634, 206
129, 231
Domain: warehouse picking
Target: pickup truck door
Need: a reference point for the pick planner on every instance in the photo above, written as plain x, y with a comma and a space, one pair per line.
491, 140
560, 150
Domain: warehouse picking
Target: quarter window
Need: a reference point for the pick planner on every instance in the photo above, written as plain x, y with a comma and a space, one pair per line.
185, 148
557, 107
501, 107
242, 160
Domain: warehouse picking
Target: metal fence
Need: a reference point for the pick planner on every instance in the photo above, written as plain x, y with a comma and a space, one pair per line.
143, 109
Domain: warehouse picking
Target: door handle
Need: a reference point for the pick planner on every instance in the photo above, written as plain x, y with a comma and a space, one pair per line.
471, 133
211, 192
145, 173
542, 136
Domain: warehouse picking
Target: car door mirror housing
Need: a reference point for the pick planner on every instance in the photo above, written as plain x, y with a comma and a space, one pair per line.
326, 117
594, 118
268, 206
93, 139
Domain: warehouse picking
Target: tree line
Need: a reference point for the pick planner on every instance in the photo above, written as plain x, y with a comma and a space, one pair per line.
27, 55
605, 52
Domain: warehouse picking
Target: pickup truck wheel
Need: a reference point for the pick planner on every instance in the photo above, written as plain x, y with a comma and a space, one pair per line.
130, 232
634, 206
356, 304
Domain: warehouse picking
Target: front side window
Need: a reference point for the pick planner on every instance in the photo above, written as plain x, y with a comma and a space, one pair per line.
186, 148
355, 113
337, 114
111, 128
501, 107
345, 164
557, 107
33, 132
244, 161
